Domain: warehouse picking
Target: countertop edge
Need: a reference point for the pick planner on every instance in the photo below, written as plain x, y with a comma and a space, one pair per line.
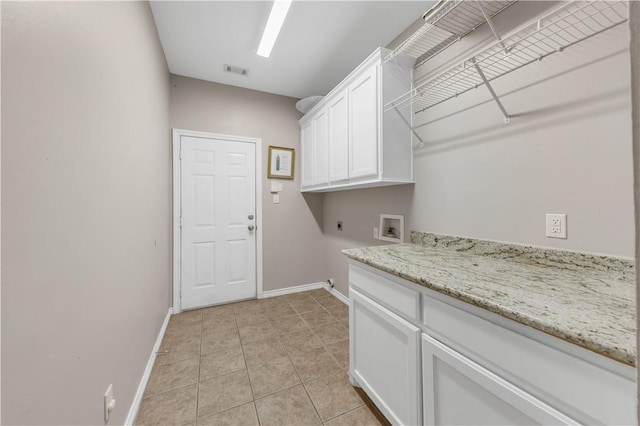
618, 354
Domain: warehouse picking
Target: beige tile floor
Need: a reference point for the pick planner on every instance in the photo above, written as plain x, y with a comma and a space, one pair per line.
276, 361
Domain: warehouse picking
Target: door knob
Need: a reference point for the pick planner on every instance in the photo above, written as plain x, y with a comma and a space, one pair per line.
251, 227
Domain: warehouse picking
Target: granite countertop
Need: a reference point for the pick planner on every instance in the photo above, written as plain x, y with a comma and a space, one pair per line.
584, 299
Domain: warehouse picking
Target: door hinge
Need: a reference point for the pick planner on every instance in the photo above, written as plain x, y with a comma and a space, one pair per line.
180, 153
180, 222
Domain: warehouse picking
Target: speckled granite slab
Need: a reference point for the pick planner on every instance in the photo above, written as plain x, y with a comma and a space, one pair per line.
584, 299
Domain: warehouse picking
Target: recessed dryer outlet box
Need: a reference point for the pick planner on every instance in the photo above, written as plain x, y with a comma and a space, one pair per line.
391, 228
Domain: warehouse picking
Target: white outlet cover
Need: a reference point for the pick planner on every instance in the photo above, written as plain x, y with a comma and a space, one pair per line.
556, 225
276, 187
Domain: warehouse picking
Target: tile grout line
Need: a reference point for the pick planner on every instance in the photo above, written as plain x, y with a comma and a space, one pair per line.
226, 374
255, 409
246, 368
246, 365
287, 352
199, 366
226, 410
277, 337
300, 378
364, 404
278, 391
312, 404
324, 346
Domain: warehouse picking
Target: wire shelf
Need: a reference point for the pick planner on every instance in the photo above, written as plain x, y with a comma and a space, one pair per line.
570, 24
445, 23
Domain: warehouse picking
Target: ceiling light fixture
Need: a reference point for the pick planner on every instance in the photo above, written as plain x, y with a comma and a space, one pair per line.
274, 24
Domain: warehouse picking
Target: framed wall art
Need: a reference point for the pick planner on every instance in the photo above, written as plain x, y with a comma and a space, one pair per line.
281, 162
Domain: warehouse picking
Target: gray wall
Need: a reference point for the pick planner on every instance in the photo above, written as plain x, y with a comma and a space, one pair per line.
293, 251
0, 232
85, 196
634, 25
359, 210
86, 186
567, 150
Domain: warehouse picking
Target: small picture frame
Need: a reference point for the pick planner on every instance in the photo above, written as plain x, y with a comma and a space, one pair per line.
281, 162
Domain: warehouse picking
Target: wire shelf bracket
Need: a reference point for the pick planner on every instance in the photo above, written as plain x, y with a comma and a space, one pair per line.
446, 23
487, 18
507, 118
573, 22
413, 130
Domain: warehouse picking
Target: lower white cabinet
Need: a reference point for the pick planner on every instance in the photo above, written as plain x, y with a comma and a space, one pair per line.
457, 391
427, 358
385, 359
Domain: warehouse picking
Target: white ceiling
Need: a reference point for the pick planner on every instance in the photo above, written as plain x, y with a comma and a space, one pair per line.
320, 42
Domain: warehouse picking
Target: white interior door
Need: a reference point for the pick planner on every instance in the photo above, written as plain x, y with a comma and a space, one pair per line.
218, 221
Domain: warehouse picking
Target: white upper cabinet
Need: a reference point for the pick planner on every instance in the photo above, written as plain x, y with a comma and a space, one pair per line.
320, 154
347, 139
307, 153
315, 150
363, 118
338, 138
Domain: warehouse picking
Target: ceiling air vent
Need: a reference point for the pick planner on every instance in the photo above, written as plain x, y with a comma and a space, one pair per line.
236, 70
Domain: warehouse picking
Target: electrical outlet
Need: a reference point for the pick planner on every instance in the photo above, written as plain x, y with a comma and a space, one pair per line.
375, 232
556, 225
276, 198
109, 403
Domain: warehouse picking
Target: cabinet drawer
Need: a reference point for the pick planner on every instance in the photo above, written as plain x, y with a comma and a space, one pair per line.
583, 385
452, 381
388, 292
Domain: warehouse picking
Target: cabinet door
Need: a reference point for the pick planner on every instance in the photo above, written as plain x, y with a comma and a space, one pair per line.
385, 359
320, 148
458, 391
363, 117
338, 138
306, 146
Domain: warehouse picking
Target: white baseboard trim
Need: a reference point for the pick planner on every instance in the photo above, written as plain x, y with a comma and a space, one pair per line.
290, 290
341, 297
137, 399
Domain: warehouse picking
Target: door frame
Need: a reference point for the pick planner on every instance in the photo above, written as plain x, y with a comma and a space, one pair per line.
177, 231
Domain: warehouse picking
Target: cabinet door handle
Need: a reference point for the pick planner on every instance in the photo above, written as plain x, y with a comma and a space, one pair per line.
251, 227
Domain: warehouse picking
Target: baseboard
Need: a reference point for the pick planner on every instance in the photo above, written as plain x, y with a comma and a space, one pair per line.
341, 297
290, 290
137, 399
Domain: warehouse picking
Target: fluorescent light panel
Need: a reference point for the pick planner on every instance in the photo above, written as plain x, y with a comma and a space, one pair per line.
274, 25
